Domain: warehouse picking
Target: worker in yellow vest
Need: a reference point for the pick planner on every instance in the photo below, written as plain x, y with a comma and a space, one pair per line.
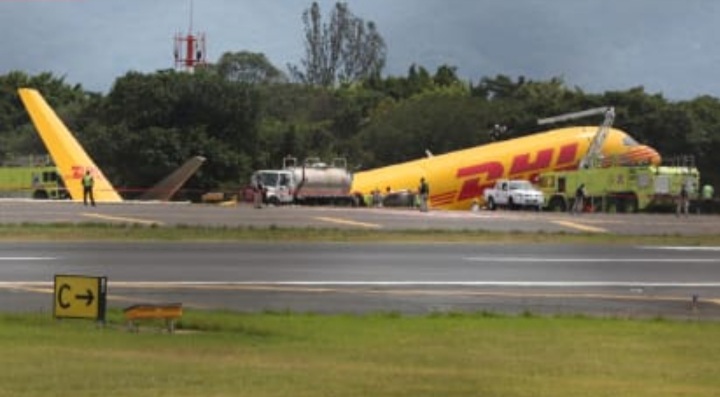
88, 182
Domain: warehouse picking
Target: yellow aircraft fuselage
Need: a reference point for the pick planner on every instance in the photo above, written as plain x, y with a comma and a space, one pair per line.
457, 178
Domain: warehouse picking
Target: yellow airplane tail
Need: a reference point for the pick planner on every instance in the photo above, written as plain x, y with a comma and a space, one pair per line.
67, 154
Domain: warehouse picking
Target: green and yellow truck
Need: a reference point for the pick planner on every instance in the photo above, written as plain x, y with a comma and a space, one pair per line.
620, 188
611, 184
35, 178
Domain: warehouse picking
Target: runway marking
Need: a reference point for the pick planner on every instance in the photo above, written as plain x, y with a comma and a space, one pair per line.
28, 288
680, 248
592, 260
582, 227
122, 219
36, 287
348, 222
45, 287
27, 258
589, 219
329, 283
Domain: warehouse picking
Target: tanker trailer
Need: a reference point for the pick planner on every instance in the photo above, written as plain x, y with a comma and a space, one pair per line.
319, 183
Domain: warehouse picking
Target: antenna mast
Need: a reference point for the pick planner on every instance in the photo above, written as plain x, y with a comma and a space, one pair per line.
189, 50
191, 17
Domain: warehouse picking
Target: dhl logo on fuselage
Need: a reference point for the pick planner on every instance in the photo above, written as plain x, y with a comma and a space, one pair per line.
480, 176
457, 178
78, 172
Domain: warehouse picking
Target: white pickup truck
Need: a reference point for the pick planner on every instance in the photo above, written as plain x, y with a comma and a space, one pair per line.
514, 194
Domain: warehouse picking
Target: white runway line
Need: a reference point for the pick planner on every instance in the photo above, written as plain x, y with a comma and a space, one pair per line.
681, 248
318, 283
366, 283
593, 260
27, 258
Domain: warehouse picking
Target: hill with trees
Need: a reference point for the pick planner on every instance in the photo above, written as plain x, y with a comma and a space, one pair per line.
243, 113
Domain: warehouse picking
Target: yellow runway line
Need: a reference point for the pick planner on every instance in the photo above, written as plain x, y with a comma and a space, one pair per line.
580, 226
110, 298
122, 219
349, 222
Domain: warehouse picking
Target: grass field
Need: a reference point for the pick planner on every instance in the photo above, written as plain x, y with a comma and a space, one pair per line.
284, 354
106, 231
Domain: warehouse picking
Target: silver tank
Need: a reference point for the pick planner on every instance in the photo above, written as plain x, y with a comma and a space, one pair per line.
316, 179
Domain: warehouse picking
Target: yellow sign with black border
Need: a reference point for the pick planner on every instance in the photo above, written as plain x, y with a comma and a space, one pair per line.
79, 296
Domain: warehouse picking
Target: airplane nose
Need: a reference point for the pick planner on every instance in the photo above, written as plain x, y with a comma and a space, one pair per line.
643, 155
652, 156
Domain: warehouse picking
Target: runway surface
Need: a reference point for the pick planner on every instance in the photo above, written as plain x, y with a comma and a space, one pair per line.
357, 218
616, 280
627, 281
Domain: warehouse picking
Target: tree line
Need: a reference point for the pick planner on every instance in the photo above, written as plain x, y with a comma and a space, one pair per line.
243, 113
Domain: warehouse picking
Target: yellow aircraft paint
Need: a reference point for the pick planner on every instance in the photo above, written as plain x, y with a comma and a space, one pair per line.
66, 152
458, 178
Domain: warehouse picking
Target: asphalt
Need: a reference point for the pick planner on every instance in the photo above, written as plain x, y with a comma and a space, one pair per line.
625, 281
163, 214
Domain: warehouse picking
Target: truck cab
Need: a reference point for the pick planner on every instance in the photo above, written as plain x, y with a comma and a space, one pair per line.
278, 185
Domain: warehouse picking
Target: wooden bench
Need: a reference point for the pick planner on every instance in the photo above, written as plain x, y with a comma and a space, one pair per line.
145, 311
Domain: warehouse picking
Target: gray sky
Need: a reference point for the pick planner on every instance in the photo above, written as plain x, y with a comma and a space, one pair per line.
668, 46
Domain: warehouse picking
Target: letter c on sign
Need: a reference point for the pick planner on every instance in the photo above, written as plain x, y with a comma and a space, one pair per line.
64, 304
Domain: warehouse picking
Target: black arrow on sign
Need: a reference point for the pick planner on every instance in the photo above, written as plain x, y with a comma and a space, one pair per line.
88, 298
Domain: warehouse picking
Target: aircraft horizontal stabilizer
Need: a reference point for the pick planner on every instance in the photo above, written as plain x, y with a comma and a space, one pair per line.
166, 188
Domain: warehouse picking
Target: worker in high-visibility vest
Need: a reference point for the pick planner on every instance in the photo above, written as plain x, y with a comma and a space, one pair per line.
88, 182
707, 194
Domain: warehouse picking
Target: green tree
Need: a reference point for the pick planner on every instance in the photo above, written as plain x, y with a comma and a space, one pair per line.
435, 122
157, 121
17, 135
249, 67
347, 49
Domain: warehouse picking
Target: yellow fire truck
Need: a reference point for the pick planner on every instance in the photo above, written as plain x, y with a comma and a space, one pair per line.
620, 188
611, 186
31, 177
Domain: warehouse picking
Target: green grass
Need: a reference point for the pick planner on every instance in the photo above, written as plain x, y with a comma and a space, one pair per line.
285, 354
105, 231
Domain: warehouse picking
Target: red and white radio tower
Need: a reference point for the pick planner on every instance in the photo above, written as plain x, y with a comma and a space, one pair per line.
190, 50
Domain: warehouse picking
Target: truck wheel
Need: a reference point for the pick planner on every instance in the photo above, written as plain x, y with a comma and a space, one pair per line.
631, 205
491, 204
274, 201
627, 204
611, 206
557, 204
40, 195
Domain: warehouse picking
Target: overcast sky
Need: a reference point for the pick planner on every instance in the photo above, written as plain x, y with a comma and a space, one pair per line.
668, 46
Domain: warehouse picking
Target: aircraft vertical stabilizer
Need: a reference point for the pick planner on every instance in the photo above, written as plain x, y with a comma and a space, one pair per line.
67, 154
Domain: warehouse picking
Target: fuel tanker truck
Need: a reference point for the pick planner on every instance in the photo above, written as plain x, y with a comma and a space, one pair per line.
311, 182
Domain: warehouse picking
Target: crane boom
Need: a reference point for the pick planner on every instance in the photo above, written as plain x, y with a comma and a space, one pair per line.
595, 148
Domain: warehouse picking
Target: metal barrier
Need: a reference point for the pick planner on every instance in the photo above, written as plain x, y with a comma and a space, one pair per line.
168, 312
